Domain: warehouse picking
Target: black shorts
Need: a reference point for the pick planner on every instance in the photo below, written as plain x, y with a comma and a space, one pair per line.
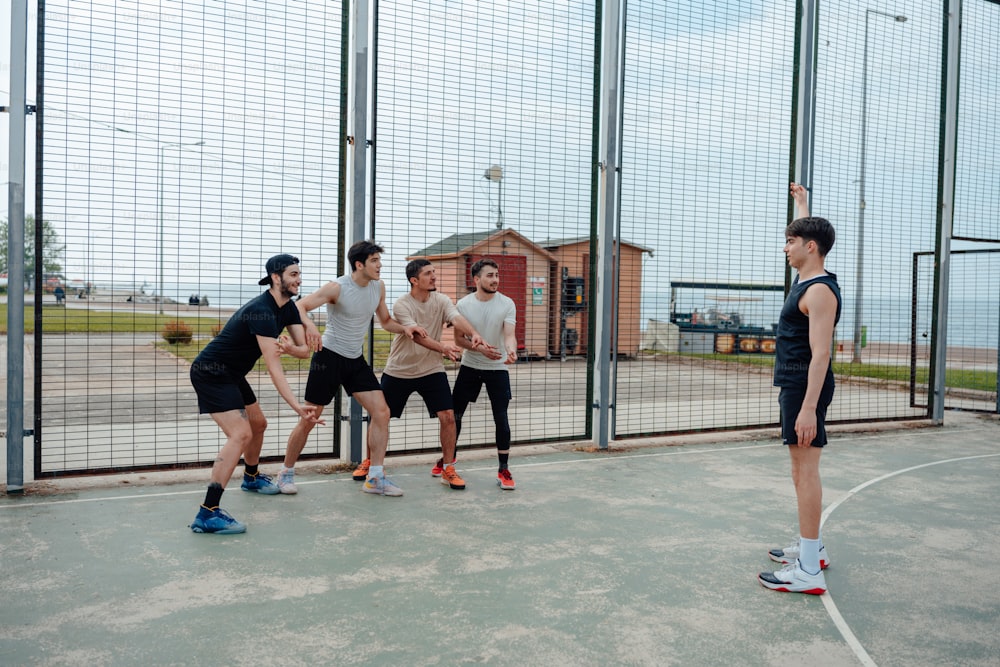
434, 389
790, 402
219, 391
328, 371
470, 382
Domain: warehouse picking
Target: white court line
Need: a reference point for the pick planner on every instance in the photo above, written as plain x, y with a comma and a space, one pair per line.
697, 449
165, 494
831, 606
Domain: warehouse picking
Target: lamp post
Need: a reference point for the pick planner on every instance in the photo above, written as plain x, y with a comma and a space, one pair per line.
495, 174
899, 18
159, 199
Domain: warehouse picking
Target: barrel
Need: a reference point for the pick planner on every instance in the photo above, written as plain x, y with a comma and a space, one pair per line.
725, 343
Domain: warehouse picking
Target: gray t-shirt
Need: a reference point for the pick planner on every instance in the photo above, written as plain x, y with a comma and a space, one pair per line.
347, 321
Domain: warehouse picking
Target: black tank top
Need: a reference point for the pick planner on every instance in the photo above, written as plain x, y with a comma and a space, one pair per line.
793, 354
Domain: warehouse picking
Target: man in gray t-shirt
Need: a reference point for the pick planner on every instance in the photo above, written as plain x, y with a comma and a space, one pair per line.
338, 361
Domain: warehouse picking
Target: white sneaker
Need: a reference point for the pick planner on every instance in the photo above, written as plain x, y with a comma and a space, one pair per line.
791, 553
793, 579
286, 482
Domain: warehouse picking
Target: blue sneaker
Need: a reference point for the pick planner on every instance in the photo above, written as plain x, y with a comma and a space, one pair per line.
259, 483
382, 486
217, 521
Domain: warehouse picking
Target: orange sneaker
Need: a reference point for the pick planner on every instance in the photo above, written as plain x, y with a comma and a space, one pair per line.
451, 478
438, 468
361, 472
505, 481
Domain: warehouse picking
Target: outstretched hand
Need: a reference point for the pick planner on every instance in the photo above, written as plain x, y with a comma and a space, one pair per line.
452, 352
414, 330
308, 412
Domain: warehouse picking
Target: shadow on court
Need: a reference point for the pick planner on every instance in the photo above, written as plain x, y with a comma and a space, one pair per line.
644, 556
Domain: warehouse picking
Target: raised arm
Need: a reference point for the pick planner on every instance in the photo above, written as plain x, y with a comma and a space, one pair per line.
801, 197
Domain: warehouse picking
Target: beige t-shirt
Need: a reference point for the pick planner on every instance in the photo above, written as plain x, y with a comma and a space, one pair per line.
407, 359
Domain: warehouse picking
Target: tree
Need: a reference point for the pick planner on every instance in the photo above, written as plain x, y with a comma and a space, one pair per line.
51, 248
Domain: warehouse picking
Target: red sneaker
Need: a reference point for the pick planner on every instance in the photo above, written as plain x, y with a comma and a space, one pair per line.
505, 481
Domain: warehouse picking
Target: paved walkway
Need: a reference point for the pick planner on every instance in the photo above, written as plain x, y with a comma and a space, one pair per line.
643, 556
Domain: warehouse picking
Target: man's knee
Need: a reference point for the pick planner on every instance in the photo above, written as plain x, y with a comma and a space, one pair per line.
379, 413
447, 417
258, 423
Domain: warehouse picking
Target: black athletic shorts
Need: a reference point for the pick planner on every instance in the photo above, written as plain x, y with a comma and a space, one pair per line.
790, 401
434, 389
470, 382
328, 371
218, 391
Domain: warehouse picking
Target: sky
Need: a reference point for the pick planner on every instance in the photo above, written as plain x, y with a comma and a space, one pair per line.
240, 104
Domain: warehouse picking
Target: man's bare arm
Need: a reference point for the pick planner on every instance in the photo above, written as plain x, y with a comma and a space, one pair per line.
801, 197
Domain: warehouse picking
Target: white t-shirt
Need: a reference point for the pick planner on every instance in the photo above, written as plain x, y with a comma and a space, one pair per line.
408, 359
488, 318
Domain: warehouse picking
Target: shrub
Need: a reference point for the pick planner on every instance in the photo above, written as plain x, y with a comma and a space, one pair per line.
177, 331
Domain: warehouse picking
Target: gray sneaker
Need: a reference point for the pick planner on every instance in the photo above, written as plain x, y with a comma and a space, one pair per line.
382, 486
286, 482
790, 554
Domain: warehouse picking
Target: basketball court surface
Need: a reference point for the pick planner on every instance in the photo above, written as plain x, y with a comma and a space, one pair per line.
647, 555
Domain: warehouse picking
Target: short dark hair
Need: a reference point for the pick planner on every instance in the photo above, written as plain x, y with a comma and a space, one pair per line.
414, 267
361, 251
477, 268
813, 229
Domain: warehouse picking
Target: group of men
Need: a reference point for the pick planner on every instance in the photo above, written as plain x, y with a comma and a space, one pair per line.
484, 341
484, 323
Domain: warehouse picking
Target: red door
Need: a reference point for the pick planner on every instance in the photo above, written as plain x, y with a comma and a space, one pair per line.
513, 283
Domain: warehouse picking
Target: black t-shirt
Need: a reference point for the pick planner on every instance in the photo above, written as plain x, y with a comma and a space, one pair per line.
793, 353
235, 350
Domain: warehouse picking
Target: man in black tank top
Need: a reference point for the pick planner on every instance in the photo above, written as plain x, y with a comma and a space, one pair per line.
804, 373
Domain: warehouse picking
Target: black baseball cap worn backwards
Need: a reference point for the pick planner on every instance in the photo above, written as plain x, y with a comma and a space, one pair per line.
277, 264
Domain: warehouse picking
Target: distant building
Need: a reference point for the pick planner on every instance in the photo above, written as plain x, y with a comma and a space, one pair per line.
532, 275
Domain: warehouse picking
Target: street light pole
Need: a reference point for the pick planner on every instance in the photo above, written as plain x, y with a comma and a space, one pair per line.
899, 18
159, 216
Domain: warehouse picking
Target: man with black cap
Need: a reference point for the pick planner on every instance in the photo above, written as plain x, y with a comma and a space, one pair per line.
219, 378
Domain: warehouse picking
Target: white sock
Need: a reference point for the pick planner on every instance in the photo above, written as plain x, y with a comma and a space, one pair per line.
809, 555
291, 470
375, 471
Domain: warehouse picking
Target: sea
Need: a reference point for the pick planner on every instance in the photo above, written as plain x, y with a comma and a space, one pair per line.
971, 322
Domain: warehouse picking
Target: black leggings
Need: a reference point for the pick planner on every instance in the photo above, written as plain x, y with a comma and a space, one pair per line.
469, 383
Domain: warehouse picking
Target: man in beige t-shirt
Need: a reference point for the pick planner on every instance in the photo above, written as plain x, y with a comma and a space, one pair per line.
416, 365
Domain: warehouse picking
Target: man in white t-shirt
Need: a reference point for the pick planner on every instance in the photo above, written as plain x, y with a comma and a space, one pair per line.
493, 315
415, 364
